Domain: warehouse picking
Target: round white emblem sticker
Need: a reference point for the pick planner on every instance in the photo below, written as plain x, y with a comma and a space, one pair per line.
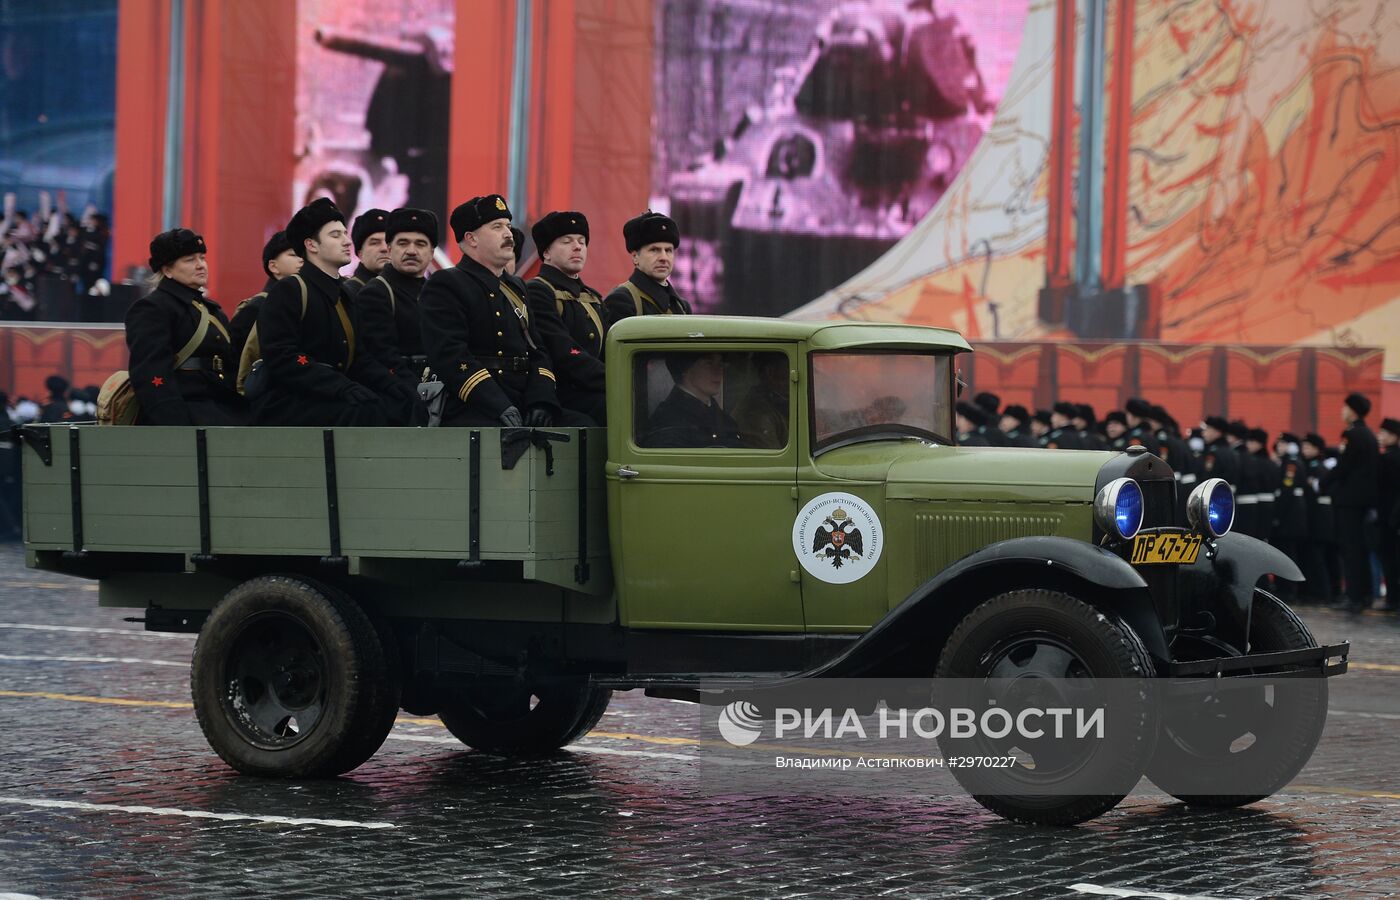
838, 537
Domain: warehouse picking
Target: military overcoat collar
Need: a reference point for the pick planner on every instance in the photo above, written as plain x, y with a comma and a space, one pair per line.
320, 281
489, 280
563, 282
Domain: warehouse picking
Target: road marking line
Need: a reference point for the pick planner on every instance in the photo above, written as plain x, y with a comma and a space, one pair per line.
82, 586
581, 747
94, 659
189, 813
1339, 791
1110, 891
109, 701
1373, 667
1362, 715
79, 629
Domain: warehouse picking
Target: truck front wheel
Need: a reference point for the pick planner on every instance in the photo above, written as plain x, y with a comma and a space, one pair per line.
511, 719
1253, 735
1041, 649
291, 679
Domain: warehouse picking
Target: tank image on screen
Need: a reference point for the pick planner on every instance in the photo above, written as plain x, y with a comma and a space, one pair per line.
847, 153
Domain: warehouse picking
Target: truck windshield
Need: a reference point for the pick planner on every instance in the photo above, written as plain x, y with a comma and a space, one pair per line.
869, 395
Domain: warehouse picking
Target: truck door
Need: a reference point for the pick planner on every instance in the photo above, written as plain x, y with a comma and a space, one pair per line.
705, 481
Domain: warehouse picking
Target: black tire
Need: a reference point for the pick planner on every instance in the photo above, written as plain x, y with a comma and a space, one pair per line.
1286, 724
290, 680
1023, 635
509, 719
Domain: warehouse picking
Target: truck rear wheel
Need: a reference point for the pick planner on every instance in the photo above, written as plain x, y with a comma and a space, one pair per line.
291, 679
510, 719
1257, 734
1036, 640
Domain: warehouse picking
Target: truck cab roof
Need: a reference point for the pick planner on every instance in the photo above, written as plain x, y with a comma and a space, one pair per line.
821, 335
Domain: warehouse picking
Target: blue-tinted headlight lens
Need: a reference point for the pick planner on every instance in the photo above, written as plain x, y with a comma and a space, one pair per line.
1220, 510
1127, 512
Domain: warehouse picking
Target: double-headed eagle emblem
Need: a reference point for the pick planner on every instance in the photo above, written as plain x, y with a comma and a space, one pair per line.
838, 539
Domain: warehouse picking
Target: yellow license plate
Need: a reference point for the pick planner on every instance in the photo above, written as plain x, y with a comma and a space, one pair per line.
1166, 547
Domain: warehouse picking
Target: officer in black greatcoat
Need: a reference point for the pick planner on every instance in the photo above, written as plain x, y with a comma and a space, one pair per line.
1290, 532
691, 415
1218, 459
1139, 429
1086, 425
1062, 435
569, 314
278, 261
1015, 426
970, 419
370, 246
1267, 477
1388, 436
652, 240
990, 404
55, 409
478, 332
1321, 564
176, 383
319, 371
388, 303
1115, 430
1353, 484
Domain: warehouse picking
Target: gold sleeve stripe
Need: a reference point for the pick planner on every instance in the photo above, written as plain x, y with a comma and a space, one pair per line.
471, 384
548, 374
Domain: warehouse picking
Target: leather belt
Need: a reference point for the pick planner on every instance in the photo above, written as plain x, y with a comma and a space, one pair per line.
508, 364
214, 365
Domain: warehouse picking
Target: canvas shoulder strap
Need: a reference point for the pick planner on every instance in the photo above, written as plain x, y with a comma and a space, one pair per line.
388, 287
522, 311
639, 295
200, 331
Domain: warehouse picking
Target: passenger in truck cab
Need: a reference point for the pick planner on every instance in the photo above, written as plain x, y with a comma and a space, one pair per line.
691, 415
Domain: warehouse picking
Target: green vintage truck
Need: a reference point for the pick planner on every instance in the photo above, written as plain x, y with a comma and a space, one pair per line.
823, 525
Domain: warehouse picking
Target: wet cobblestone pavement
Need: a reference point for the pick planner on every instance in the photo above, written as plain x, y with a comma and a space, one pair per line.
107, 788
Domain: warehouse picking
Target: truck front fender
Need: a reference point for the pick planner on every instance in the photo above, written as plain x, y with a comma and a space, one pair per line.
1226, 577
924, 619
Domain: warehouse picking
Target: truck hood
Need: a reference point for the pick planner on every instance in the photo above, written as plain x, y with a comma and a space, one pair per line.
919, 471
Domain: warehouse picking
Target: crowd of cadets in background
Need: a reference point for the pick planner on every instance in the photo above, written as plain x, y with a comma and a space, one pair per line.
315, 348
1333, 510
54, 244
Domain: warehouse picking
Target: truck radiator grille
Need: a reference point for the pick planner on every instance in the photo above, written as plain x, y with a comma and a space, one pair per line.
941, 539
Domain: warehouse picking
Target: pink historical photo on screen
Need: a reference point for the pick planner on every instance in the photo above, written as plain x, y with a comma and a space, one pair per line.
797, 140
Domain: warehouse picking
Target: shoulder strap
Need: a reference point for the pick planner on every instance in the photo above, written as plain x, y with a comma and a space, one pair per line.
242, 304
197, 338
587, 300
522, 311
301, 282
638, 295
388, 287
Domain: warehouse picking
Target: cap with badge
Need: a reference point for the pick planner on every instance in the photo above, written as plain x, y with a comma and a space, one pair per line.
552, 226
308, 221
370, 222
650, 228
177, 243
477, 212
406, 220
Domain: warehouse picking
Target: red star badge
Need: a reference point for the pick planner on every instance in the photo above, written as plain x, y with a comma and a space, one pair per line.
157, 381
301, 360
574, 351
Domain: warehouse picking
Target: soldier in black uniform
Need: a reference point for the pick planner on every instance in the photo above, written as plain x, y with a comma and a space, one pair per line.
1353, 486
990, 404
278, 261
1291, 512
182, 365
1040, 426
1245, 481
478, 332
318, 370
1086, 425
1267, 478
971, 421
371, 247
1218, 458
691, 416
1015, 426
55, 409
1115, 430
1388, 437
1321, 563
652, 240
568, 314
1173, 449
1062, 435
1139, 430
388, 302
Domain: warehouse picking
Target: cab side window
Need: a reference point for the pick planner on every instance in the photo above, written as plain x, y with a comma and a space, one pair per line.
698, 399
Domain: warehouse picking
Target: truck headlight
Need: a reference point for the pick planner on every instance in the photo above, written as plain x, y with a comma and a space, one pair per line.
1211, 507
1118, 508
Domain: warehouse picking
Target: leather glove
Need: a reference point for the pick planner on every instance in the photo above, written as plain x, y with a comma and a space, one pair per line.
539, 417
359, 394
511, 418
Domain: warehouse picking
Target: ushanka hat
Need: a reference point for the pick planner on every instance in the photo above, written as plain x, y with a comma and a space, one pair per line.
308, 222
1017, 412
275, 247
407, 220
174, 244
476, 212
650, 228
370, 222
1359, 404
973, 413
552, 226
